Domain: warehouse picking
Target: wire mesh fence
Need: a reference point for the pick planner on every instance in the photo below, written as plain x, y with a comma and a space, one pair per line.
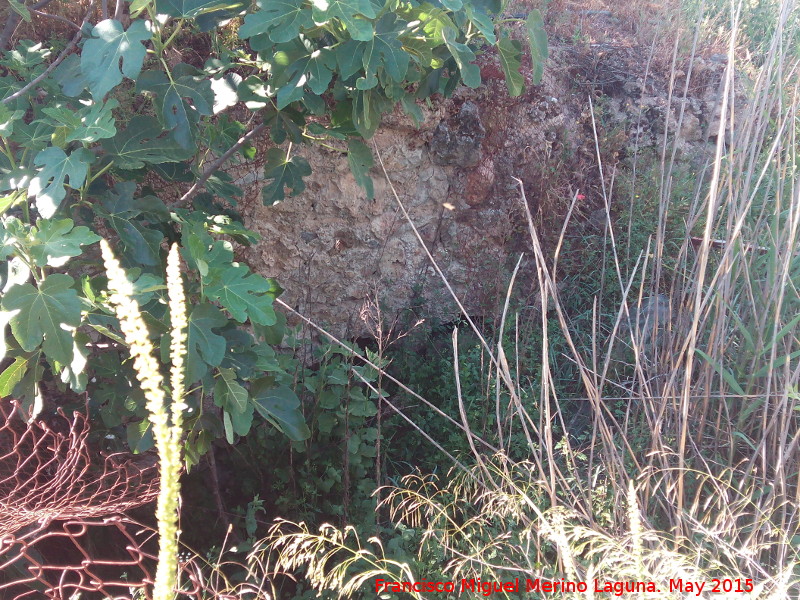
64, 533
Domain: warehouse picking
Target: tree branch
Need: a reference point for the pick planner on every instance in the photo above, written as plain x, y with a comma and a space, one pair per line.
13, 20
209, 169
64, 53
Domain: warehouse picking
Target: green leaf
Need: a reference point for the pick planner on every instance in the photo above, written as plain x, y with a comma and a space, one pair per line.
56, 242
726, 374
432, 21
285, 173
228, 393
189, 9
281, 20
41, 313
110, 44
326, 422
483, 22
70, 77
204, 346
128, 217
20, 9
224, 90
137, 7
281, 407
254, 92
538, 43
368, 107
242, 421
510, 53
384, 50
285, 123
174, 112
220, 184
48, 184
143, 142
8, 118
140, 436
313, 70
360, 159
244, 294
33, 136
12, 375
75, 373
347, 11
89, 124
780, 360
463, 55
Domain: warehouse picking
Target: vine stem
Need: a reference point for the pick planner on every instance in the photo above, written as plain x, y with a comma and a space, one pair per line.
209, 170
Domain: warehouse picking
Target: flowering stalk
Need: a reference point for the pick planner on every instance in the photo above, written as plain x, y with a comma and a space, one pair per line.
167, 431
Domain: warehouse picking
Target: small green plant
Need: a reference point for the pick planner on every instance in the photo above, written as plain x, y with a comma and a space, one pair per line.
98, 136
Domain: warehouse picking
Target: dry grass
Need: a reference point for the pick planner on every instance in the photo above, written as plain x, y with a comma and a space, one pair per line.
692, 470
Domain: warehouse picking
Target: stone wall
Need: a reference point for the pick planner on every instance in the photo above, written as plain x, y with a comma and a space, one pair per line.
457, 175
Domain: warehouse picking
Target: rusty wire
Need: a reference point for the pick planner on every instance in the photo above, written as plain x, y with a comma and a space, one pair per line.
63, 531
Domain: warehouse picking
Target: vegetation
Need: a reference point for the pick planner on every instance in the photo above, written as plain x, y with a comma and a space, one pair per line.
637, 436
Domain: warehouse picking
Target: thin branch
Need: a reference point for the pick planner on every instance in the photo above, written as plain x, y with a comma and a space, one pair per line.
13, 20
64, 53
209, 169
57, 18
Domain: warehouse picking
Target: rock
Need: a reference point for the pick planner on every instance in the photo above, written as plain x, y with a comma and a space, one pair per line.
457, 141
691, 130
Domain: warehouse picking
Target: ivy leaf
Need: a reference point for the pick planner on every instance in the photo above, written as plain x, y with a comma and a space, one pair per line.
189, 9
204, 346
228, 393
89, 124
174, 112
48, 184
285, 173
56, 242
110, 44
463, 55
538, 43
281, 407
281, 20
40, 314
313, 70
242, 293
142, 142
510, 53
360, 159
347, 12
127, 217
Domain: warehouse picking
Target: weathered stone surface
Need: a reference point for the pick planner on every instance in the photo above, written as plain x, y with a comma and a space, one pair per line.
459, 178
457, 141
